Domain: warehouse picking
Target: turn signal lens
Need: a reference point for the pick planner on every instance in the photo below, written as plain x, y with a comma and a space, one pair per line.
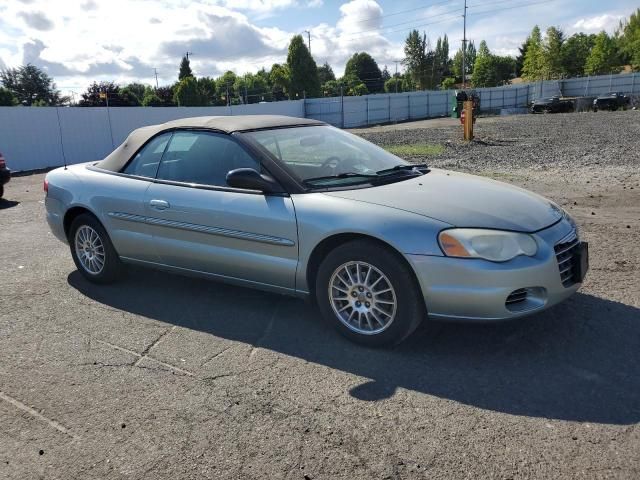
451, 246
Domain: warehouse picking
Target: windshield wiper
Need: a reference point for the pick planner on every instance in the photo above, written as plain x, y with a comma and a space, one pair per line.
339, 176
401, 168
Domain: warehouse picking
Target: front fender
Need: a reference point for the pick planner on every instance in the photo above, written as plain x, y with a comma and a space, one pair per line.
322, 216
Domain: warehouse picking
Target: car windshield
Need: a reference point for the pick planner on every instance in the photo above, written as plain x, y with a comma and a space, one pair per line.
324, 156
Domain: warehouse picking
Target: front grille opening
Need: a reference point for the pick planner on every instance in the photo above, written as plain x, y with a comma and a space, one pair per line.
517, 296
567, 260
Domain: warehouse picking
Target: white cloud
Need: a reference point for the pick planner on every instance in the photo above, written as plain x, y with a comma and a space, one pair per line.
607, 22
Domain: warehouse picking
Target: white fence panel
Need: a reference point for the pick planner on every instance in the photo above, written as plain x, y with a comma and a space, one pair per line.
34, 138
30, 137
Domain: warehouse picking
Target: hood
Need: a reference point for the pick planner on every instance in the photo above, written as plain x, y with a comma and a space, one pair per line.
463, 201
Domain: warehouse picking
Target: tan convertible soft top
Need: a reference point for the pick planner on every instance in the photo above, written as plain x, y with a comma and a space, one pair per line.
228, 124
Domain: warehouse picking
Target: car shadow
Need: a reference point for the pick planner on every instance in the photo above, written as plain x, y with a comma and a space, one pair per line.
4, 203
578, 361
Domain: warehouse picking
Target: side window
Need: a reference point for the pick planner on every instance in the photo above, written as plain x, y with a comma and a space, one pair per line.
145, 163
203, 158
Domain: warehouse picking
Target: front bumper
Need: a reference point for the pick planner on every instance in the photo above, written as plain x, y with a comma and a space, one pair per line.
475, 289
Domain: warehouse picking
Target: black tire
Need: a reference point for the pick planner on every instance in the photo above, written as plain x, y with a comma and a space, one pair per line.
410, 306
1, 191
112, 267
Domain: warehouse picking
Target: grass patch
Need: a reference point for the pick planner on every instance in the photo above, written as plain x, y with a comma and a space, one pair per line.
415, 149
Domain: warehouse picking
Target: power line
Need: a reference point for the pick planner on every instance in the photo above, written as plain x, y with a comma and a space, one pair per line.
446, 19
383, 28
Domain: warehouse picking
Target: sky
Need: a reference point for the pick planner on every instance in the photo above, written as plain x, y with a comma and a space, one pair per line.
78, 42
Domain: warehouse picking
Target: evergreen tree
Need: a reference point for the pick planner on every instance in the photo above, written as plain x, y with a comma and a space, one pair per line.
303, 71
6, 98
575, 51
552, 66
362, 66
185, 69
603, 58
416, 59
280, 81
187, 93
470, 60
325, 73
533, 60
628, 37
225, 91
28, 84
385, 74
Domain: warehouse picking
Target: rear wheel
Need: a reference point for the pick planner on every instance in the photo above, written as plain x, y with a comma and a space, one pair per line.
369, 294
92, 251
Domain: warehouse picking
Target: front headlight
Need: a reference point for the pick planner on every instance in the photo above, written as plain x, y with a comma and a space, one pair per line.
493, 245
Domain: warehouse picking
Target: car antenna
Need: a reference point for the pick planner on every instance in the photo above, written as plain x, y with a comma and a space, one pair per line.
64, 157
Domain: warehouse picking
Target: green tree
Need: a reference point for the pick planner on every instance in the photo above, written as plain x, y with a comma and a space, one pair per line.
98, 93
187, 93
603, 57
151, 99
470, 61
225, 87
552, 66
303, 71
6, 98
353, 86
208, 90
127, 98
325, 73
185, 68
137, 89
251, 88
363, 66
331, 88
628, 37
575, 51
28, 84
520, 58
416, 59
491, 70
448, 83
165, 94
533, 59
443, 63
395, 84
280, 81
385, 74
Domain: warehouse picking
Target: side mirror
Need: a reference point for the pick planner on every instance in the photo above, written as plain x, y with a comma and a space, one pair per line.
251, 179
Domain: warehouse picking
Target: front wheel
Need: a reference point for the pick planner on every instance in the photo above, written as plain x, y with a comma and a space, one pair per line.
92, 251
369, 294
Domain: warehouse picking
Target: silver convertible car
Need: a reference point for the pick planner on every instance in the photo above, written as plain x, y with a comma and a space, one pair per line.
296, 206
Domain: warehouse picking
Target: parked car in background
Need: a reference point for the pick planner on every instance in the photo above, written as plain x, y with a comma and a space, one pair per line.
296, 206
611, 101
551, 105
5, 174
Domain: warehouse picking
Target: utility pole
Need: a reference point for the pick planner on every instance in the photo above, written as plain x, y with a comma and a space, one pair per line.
464, 47
187, 54
155, 71
308, 39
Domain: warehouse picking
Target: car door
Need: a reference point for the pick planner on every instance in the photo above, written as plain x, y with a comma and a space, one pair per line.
199, 223
121, 201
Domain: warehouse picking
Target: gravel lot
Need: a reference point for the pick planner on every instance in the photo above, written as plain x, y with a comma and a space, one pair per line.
161, 376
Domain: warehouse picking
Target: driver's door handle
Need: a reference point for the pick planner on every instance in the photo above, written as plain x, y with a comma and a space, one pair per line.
159, 204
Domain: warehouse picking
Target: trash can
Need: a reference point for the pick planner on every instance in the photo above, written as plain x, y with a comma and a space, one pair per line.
459, 97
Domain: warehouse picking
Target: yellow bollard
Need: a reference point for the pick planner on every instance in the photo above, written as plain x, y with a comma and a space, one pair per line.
468, 120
